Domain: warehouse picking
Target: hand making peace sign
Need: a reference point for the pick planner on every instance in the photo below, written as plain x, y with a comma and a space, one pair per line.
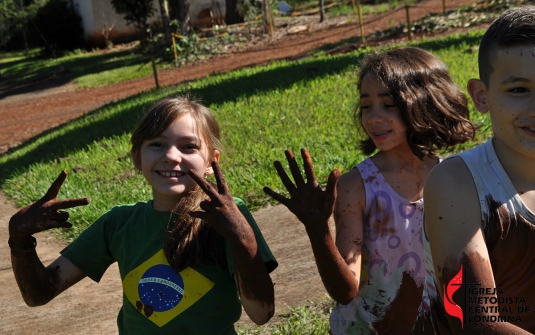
221, 210
44, 214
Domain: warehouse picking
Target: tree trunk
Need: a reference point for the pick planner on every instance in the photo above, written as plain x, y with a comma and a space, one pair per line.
165, 21
183, 17
233, 15
322, 10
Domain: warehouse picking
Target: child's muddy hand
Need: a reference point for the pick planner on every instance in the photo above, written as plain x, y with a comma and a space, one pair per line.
44, 214
307, 201
220, 210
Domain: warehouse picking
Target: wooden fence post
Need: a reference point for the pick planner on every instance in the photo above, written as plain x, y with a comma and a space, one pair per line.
361, 24
408, 22
155, 72
174, 49
267, 17
444, 6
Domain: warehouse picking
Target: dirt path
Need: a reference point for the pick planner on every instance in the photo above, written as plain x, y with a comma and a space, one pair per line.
90, 308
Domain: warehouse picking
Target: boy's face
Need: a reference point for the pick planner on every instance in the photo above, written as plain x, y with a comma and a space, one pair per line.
510, 98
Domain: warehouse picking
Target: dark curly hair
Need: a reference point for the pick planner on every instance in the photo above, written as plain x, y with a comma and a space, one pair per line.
433, 108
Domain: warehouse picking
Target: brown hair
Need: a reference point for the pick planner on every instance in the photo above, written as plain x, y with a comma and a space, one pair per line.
516, 26
189, 240
433, 108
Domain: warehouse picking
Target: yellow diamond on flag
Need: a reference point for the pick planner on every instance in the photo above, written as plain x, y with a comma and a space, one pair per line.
160, 293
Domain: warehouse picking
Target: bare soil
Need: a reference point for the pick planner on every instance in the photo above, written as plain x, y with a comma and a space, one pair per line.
90, 308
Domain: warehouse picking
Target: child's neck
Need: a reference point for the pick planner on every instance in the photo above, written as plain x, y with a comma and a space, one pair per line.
520, 170
516, 165
395, 160
405, 173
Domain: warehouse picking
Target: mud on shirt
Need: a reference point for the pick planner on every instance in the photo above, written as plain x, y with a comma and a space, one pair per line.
156, 299
391, 295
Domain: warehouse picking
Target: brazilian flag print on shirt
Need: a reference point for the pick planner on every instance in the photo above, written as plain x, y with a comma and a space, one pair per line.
156, 299
161, 294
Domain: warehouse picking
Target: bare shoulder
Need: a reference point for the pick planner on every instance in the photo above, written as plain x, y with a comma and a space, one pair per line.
449, 176
450, 196
350, 184
452, 213
351, 197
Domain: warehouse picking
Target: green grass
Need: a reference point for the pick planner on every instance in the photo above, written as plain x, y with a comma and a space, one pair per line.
261, 111
85, 69
309, 319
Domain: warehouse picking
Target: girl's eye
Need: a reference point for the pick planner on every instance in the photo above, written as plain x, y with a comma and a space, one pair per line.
189, 147
156, 144
390, 105
518, 90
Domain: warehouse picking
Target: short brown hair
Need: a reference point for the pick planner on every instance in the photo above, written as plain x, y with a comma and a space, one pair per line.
516, 26
433, 108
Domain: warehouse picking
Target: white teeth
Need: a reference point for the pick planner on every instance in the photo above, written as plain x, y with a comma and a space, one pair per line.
171, 174
381, 133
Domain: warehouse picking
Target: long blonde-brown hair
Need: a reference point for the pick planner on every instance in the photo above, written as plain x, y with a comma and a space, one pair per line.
190, 240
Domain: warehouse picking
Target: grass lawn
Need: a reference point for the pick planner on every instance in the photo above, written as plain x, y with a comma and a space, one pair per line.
86, 69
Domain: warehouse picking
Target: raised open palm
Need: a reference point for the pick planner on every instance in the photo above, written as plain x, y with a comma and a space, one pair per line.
307, 200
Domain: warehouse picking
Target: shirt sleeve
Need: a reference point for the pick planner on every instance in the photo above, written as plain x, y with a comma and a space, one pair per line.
269, 260
90, 251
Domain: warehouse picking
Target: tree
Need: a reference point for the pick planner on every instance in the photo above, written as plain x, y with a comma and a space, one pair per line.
183, 16
322, 10
233, 14
136, 13
165, 21
14, 18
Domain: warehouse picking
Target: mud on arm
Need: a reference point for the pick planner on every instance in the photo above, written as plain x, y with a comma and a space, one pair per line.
252, 278
453, 227
39, 284
314, 207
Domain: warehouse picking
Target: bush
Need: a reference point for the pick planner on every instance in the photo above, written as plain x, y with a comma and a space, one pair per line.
66, 32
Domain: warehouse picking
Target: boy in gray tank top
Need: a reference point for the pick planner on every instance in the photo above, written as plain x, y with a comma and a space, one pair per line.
480, 205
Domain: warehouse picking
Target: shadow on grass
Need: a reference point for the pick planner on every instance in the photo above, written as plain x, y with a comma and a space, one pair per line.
106, 122
64, 71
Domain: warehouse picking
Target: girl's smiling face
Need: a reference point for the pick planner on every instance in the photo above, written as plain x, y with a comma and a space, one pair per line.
166, 160
380, 115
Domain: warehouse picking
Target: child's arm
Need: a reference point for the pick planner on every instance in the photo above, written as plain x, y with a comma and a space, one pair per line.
313, 207
252, 278
453, 226
39, 284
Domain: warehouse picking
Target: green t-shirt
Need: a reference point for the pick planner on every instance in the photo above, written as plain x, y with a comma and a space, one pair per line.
157, 300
